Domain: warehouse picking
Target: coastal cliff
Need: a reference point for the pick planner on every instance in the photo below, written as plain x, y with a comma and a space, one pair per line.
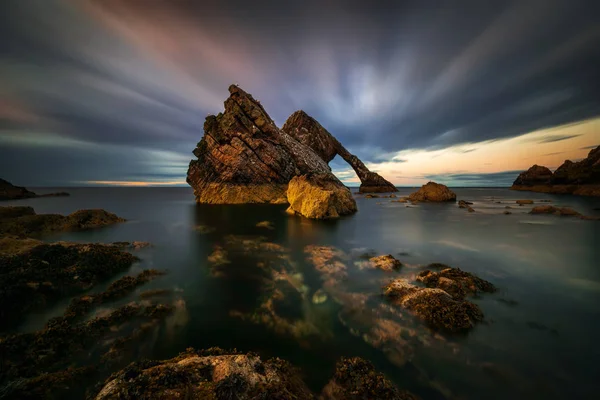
244, 158
579, 178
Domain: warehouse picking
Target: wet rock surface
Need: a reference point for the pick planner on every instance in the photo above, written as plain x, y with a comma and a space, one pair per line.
23, 221
386, 263
317, 196
579, 178
459, 284
434, 306
433, 192
355, 378
33, 277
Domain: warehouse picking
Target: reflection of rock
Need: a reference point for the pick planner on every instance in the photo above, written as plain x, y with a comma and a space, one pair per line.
356, 378
385, 263
435, 306
433, 192
211, 374
456, 282
318, 196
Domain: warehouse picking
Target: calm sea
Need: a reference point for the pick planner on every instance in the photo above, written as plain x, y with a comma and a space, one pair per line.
540, 339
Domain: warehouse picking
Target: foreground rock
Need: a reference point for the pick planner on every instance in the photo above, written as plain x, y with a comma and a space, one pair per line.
434, 306
244, 158
23, 221
579, 178
456, 282
386, 263
34, 274
318, 196
10, 192
220, 374
356, 378
309, 132
433, 192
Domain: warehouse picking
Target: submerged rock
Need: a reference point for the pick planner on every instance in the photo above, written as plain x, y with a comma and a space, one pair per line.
565, 211
579, 178
43, 273
523, 202
433, 192
455, 282
318, 196
434, 306
385, 263
23, 221
355, 378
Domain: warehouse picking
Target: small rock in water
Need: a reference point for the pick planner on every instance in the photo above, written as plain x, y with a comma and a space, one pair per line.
521, 202
265, 224
319, 297
385, 263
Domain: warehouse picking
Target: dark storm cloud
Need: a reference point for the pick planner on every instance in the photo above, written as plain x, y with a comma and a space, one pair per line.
136, 77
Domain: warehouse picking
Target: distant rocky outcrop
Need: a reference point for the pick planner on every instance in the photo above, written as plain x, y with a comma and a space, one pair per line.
309, 132
433, 192
579, 178
10, 192
244, 158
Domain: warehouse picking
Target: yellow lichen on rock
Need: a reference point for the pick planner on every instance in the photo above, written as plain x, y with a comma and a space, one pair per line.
319, 196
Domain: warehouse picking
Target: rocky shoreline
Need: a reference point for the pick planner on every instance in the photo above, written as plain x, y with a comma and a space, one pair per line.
580, 178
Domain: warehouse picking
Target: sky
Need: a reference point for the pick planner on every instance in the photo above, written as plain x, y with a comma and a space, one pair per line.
466, 93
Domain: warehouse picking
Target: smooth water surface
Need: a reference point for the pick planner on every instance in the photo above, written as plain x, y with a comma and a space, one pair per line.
538, 341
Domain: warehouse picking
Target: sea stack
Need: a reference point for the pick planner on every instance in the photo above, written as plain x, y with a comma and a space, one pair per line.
433, 192
244, 158
309, 132
579, 178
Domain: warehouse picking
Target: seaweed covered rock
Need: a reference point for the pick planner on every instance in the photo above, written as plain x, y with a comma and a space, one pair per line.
433, 192
434, 306
309, 132
455, 282
43, 273
23, 221
318, 196
355, 378
211, 374
386, 263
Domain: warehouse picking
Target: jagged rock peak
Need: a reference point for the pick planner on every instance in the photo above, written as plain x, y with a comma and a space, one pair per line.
311, 133
244, 158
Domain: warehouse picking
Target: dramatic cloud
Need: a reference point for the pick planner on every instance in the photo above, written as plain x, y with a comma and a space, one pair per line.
117, 90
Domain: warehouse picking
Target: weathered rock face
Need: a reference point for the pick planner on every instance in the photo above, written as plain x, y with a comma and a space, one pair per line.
309, 132
318, 196
244, 158
10, 192
432, 191
580, 178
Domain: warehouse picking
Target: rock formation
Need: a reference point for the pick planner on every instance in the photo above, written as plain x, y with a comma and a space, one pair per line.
318, 196
10, 192
580, 178
434, 192
309, 132
244, 158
